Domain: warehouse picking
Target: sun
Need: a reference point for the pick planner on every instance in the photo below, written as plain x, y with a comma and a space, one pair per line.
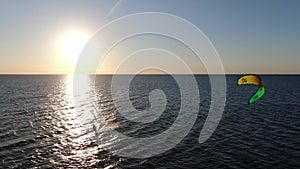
71, 46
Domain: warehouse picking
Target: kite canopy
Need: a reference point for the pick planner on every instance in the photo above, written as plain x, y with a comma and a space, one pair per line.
249, 80
252, 79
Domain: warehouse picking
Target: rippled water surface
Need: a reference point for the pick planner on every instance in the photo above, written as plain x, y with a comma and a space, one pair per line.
39, 124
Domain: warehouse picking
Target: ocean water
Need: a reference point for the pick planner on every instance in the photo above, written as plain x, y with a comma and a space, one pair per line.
39, 124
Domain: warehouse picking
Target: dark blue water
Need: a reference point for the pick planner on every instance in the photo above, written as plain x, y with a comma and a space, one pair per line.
39, 126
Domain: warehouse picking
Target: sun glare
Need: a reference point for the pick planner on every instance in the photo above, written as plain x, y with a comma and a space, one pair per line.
71, 46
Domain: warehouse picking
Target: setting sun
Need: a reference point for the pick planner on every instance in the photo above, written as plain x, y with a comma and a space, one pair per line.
71, 45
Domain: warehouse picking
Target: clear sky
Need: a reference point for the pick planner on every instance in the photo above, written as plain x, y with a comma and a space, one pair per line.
251, 36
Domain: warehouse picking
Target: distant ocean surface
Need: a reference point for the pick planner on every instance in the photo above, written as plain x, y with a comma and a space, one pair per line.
38, 125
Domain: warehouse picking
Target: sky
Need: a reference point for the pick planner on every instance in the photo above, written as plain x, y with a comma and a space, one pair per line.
250, 36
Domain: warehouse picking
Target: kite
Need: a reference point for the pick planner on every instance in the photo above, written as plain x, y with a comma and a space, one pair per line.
251, 79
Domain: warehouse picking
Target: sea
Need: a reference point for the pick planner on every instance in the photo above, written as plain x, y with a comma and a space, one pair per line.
40, 124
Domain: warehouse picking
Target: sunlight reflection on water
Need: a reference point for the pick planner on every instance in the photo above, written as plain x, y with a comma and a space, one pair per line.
75, 139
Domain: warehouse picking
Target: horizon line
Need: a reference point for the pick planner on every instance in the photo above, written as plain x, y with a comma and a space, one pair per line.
110, 74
